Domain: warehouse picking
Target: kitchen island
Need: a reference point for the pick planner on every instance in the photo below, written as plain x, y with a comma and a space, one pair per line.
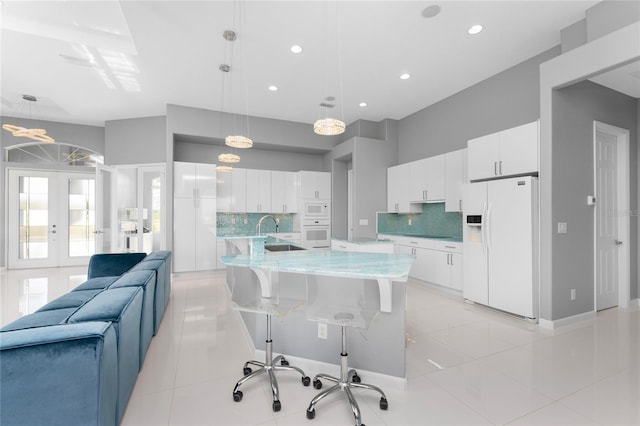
301, 275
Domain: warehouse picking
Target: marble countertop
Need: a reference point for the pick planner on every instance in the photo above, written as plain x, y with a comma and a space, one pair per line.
329, 262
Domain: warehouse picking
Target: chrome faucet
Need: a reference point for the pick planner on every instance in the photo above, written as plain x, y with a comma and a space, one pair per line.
259, 225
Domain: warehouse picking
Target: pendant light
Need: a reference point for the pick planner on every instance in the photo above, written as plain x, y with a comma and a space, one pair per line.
39, 135
227, 157
326, 125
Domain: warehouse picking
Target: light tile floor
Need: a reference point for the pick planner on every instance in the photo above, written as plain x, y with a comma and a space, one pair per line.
466, 365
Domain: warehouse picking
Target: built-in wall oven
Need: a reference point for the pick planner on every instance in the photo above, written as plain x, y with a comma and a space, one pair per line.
316, 233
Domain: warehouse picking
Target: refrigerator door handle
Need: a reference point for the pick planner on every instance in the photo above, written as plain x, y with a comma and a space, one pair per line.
483, 228
488, 227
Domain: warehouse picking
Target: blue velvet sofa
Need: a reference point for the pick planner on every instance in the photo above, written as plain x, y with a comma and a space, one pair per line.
75, 361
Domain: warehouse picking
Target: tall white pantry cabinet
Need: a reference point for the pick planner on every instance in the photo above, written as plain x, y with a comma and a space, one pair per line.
194, 216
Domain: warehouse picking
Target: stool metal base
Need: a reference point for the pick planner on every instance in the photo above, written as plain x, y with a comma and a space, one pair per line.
268, 367
348, 379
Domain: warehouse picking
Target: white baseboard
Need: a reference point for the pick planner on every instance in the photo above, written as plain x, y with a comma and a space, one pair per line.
312, 367
563, 322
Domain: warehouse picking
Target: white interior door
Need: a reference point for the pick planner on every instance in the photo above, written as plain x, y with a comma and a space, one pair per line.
606, 228
51, 218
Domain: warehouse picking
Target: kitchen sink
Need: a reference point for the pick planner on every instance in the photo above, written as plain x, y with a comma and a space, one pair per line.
282, 247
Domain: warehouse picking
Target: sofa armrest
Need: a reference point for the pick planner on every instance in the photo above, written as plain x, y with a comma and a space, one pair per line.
59, 375
112, 264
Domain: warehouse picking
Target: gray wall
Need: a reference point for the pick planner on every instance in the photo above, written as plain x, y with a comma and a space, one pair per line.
135, 141
574, 110
369, 159
91, 137
505, 100
254, 158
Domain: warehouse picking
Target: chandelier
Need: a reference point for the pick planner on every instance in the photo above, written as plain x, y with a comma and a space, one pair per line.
329, 126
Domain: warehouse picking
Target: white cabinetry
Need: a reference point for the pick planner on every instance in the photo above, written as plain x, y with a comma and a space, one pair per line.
258, 191
232, 191
437, 261
284, 192
427, 179
194, 217
294, 237
507, 153
447, 264
455, 177
314, 185
398, 190
363, 247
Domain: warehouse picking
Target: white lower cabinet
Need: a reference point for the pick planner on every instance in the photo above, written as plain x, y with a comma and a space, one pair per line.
293, 237
437, 261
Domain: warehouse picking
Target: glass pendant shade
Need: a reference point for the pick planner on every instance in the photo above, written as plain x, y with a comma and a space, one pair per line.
224, 169
229, 158
329, 127
238, 141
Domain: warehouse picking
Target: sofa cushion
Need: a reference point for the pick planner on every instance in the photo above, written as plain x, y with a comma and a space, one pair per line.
98, 283
123, 307
60, 375
112, 264
146, 279
160, 299
40, 319
70, 300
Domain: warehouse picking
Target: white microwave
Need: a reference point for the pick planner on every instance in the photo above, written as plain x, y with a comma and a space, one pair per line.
316, 209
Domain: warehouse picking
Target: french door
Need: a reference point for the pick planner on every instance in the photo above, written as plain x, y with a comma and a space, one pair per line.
51, 218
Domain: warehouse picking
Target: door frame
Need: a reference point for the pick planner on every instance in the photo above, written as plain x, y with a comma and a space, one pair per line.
622, 210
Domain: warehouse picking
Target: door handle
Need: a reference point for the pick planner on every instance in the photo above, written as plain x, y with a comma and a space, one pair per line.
98, 232
618, 243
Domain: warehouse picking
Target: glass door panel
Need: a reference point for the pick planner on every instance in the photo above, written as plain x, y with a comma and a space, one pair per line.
33, 241
103, 212
32, 218
140, 208
81, 217
51, 218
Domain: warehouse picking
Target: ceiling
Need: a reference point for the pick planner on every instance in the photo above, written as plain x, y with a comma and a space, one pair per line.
89, 62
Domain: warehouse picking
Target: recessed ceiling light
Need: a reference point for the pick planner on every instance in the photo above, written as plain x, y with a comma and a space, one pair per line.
273, 88
362, 104
405, 76
474, 29
296, 49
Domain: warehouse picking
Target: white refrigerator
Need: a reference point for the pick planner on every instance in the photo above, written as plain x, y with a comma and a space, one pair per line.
500, 242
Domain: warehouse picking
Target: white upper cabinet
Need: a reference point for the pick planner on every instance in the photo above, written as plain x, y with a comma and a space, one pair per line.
284, 192
194, 180
427, 179
315, 185
398, 190
519, 150
455, 177
258, 191
232, 191
509, 152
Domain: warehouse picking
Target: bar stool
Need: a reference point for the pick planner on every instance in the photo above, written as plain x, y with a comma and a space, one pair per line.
247, 295
345, 302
